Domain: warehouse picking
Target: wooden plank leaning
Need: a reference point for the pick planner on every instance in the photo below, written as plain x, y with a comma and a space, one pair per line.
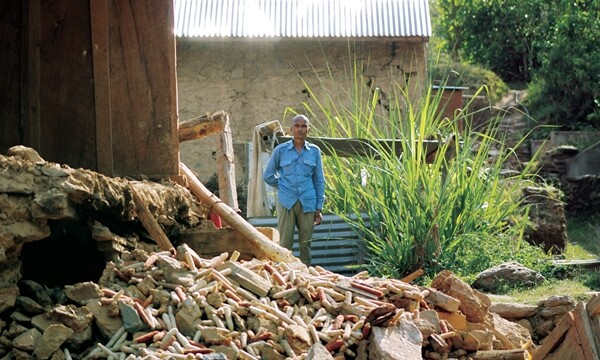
152, 226
265, 246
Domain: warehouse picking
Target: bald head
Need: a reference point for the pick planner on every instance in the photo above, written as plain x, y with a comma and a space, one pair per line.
300, 117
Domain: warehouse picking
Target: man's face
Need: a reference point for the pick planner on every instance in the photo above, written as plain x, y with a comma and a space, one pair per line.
300, 129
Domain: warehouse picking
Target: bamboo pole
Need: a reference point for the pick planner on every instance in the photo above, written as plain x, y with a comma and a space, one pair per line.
271, 250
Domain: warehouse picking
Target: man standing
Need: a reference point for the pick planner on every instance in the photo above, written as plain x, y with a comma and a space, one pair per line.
295, 169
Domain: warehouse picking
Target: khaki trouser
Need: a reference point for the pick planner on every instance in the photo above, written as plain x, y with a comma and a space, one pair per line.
287, 221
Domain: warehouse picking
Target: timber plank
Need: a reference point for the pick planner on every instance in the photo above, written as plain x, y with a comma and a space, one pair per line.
593, 305
584, 331
246, 278
595, 326
553, 340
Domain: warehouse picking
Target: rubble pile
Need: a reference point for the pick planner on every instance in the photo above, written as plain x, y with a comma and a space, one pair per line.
165, 305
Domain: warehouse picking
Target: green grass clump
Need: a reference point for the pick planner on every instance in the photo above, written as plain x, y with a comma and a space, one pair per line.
455, 210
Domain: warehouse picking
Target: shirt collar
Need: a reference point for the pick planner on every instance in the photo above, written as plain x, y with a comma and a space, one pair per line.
290, 144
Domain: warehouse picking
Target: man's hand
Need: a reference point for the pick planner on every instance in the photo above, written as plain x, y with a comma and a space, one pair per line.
318, 217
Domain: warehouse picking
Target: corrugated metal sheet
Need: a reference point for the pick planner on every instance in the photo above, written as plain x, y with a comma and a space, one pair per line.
302, 18
335, 246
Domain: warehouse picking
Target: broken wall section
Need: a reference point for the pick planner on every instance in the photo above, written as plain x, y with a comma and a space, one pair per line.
62, 224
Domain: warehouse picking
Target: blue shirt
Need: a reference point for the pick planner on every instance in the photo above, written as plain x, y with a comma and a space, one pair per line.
297, 176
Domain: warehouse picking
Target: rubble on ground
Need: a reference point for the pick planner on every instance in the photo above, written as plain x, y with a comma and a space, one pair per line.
161, 305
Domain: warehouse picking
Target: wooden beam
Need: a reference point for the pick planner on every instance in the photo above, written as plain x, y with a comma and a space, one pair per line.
201, 127
152, 226
101, 68
584, 331
259, 240
362, 147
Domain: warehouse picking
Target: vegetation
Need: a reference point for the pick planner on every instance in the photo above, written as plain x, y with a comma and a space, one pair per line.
458, 213
551, 45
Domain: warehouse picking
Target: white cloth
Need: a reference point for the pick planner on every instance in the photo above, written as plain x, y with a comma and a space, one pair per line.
263, 141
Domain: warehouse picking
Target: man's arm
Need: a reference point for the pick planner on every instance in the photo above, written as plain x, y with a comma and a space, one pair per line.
270, 175
319, 182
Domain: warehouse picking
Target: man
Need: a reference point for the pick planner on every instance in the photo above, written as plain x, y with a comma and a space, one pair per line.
295, 169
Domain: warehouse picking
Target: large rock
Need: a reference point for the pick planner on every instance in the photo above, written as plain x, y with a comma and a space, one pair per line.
509, 273
513, 311
52, 339
401, 342
8, 298
473, 304
547, 215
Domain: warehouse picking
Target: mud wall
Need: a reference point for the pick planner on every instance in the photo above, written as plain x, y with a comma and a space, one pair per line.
255, 80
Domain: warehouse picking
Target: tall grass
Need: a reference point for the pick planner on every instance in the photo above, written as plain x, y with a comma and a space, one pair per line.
455, 210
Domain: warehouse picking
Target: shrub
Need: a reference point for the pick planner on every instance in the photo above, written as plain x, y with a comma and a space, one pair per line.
454, 211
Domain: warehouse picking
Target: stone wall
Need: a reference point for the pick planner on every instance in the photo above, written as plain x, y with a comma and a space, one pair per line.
255, 80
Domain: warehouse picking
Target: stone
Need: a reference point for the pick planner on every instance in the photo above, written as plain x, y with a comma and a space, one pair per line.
52, 339
108, 325
509, 273
131, 319
187, 317
215, 336
83, 292
437, 299
20, 317
267, 352
174, 272
318, 352
557, 300
513, 311
39, 292
473, 304
27, 340
401, 342
25, 153
226, 351
515, 333
8, 298
298, 338
15, 329
29, 305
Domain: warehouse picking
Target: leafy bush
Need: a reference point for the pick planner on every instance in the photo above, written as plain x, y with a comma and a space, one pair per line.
566, 88
452, 211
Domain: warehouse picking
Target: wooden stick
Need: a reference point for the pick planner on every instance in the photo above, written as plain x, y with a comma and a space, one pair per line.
270, 250
413, 275
152, 226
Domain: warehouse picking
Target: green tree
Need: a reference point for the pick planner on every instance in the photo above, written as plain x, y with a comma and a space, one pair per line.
498, 34
566, 89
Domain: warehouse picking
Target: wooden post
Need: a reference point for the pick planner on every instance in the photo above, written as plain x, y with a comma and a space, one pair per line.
259, 240
226, 166
101, 68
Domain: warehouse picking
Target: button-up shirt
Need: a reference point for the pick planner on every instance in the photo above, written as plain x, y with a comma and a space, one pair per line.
297, 176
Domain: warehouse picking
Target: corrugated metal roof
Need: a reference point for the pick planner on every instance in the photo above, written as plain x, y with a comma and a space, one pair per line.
302, 18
